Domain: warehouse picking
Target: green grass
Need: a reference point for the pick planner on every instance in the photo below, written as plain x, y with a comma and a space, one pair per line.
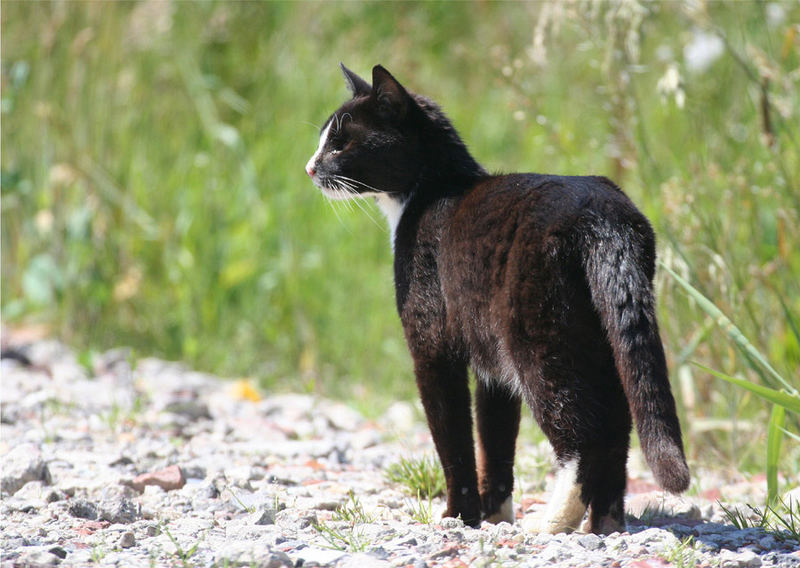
781, 520
153, 192
181, 555
422, 477
343, 531
685, 554
421, 510
353, 511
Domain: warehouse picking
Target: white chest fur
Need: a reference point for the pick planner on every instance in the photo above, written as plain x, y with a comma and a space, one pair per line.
393, 208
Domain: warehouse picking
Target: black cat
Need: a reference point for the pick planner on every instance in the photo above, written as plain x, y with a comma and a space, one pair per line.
541, 283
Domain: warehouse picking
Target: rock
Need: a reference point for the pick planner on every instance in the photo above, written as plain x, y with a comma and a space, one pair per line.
188, 408
657, 505
122, 511
247, 554
451, 523
264, 517
22, 464
37, 557
127, 540
362, 560
550, 553
590, 541
83, 509
168, 479
746, 559
320, 556
340, 416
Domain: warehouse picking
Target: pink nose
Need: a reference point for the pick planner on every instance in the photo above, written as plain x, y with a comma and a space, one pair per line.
310, 171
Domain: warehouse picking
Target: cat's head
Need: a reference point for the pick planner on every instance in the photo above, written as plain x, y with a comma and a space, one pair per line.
371, 144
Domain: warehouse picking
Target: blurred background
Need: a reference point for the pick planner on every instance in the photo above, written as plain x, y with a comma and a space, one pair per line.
153, 191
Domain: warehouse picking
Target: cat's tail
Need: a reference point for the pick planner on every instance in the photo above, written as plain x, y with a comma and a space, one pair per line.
619, 261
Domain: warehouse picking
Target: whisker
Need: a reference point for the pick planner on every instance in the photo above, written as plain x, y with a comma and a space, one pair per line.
361, 183
359, 201
353, 197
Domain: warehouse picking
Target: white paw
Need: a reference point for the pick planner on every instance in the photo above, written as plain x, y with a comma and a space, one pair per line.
504, 514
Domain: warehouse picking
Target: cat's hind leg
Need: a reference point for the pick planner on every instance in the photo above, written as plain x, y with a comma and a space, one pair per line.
566, 507
603, 463
497, 415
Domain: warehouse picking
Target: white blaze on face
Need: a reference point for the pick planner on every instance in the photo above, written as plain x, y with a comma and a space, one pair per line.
323, 139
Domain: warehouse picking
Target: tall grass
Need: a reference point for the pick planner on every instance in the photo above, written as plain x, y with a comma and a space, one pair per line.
153, 191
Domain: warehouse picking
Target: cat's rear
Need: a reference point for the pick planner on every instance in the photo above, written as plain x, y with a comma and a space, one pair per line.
543, 284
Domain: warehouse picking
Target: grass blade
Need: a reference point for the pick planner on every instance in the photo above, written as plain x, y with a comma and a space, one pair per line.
733, 332
774, 437
790, 319
789, 401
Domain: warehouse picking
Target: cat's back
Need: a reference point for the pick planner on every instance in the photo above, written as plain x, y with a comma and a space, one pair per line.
502, 214
542, 202
509, 227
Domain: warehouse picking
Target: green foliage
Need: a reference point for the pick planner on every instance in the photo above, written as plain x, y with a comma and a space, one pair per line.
781, 399
422, 477
343, 532
153, 192
684, 554
353, 511
346, 537
181, 555
422, 509
781, 520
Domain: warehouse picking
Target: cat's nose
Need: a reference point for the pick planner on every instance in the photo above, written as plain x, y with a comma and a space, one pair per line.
310, 171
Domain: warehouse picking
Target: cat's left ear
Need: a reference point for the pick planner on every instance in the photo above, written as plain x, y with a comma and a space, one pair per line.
391, 96
356, 84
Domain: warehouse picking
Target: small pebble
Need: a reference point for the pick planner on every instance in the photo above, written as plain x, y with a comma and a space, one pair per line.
127, 539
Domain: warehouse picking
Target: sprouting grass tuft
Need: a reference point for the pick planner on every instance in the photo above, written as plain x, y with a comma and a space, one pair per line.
181, 554
343, 531
422, 510
684, 554
353, 511
781, 520
420, 476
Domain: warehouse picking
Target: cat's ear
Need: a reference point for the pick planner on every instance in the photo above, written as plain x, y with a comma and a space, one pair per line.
391, 96
356, 84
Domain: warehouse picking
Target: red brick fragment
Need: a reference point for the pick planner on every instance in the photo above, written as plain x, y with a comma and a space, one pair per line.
167, 479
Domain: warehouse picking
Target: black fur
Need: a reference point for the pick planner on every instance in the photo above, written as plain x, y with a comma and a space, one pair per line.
541, 283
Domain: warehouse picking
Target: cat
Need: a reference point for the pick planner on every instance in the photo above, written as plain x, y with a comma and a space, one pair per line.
542, 284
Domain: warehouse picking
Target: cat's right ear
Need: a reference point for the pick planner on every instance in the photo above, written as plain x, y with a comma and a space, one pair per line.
356, 84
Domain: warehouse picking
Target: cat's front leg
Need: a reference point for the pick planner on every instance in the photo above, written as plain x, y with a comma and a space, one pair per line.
444, 390
497, 412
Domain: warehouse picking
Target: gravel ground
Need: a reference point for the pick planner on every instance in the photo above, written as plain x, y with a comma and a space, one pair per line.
163, 466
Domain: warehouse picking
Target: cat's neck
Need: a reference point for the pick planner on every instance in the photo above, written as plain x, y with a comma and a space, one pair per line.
449, 168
